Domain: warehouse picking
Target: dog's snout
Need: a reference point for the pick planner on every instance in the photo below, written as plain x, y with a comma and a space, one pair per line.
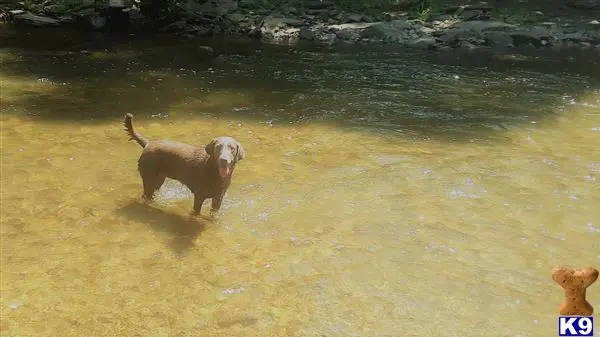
224, 161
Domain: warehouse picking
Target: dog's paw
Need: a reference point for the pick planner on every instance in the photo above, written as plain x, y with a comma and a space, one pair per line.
214, 215
145, 200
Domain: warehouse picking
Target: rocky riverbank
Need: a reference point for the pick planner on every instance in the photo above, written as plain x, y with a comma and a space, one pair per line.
320, 21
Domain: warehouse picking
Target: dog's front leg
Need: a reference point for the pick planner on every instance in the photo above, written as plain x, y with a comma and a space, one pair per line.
216, 202
198, 201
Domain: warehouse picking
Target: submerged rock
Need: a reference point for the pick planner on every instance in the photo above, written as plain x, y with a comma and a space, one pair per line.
536, 36
423, 43
584, 4
35, 20
498, 39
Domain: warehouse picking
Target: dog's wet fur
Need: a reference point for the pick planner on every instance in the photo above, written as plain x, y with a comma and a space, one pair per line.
206, 171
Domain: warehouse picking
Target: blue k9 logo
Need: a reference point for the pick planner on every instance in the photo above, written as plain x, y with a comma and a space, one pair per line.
571, 326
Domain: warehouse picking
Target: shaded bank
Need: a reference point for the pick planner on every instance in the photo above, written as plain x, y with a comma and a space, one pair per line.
446, 26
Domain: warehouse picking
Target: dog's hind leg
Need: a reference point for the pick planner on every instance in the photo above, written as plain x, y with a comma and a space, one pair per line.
151, 180
151, 184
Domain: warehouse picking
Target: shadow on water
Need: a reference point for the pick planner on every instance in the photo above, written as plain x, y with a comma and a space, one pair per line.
450, 96
181, 230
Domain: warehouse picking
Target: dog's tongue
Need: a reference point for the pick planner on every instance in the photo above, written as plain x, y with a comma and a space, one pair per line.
224, 172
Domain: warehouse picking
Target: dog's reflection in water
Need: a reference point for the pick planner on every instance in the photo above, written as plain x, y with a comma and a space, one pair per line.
182, 230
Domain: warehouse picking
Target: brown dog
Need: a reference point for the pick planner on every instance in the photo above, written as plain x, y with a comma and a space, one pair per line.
205, 171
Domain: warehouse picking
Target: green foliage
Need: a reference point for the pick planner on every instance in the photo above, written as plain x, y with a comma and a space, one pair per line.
424, 14
425, 10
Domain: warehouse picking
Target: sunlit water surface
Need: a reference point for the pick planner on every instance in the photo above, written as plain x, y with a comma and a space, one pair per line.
383, 193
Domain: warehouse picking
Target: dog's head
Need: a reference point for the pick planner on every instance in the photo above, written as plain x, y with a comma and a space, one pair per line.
226, 152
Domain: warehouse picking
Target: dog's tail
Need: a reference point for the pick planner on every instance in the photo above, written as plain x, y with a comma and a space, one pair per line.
134, 135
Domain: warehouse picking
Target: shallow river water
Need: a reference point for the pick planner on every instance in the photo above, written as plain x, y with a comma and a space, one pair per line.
384, 193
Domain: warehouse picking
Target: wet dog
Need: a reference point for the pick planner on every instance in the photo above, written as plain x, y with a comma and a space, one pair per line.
205, 171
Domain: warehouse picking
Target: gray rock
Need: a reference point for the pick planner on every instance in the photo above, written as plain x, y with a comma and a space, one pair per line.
262, 11
273, 23
348, 34
483, 26
177, 26
306, 34
469, 15
96, 20
236, 17
214, 8
245, 25
533, 36
254, 32
368, 18
353, 18
135, 15
85, 12
423, 43
205, 50
475, 32
467, 45
54, 10
328, 38
547, 24
457, 10
443, 17
580, 37
294, 22
584, 4
35, 20
352, 26
498, 39
453, 36
319, 4
391, 31
287, 10
66, 19
404, 4
422, 30
248, 4
281, 29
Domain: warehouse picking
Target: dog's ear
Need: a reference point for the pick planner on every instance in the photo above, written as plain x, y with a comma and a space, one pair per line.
210, 147
241, 153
